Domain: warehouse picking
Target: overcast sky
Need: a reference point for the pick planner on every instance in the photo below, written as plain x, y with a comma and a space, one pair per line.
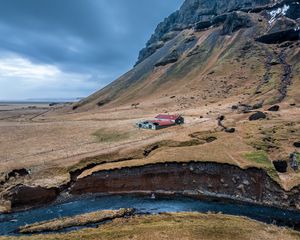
71, 48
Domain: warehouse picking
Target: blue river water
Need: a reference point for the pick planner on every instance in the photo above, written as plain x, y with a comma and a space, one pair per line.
9, 223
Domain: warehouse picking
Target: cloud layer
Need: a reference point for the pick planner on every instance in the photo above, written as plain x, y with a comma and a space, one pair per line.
67, 48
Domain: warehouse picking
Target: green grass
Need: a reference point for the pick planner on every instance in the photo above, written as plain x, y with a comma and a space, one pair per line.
260, 158
104, 135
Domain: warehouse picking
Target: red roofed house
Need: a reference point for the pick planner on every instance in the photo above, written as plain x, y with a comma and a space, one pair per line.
177, 119
161, 121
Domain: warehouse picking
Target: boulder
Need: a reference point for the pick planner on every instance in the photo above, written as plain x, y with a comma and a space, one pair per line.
274, 108
257, 116
230, 130
280, 166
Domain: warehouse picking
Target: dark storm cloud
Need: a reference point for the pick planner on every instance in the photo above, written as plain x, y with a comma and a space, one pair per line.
86, 36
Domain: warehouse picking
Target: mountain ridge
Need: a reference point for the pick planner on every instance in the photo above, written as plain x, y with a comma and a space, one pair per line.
206, 35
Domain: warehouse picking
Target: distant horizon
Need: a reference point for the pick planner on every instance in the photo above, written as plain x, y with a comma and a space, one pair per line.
64, 49
42, 100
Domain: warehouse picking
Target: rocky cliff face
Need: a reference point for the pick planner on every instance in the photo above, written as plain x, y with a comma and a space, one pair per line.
192, 12
210, 48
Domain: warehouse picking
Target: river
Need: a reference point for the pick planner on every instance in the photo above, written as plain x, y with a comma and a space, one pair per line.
10, 222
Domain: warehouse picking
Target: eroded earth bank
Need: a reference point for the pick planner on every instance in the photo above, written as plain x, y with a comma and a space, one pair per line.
197, 179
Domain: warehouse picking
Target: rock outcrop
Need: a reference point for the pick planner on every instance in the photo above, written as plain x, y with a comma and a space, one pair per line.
199, 14
236, 21
171, 58
22, 196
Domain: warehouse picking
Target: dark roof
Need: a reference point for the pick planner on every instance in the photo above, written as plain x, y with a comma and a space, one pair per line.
163, 122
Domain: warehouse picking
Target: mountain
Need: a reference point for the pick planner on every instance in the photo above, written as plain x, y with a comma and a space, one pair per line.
211, 50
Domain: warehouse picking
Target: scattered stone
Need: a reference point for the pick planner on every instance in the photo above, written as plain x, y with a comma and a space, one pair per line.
135, 105
274, 108
230, 130
246, 182
257, 116
274, 62
242, 188
222, 180
285, 197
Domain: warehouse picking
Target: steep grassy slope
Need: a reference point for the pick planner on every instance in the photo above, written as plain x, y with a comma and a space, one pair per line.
211, 57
